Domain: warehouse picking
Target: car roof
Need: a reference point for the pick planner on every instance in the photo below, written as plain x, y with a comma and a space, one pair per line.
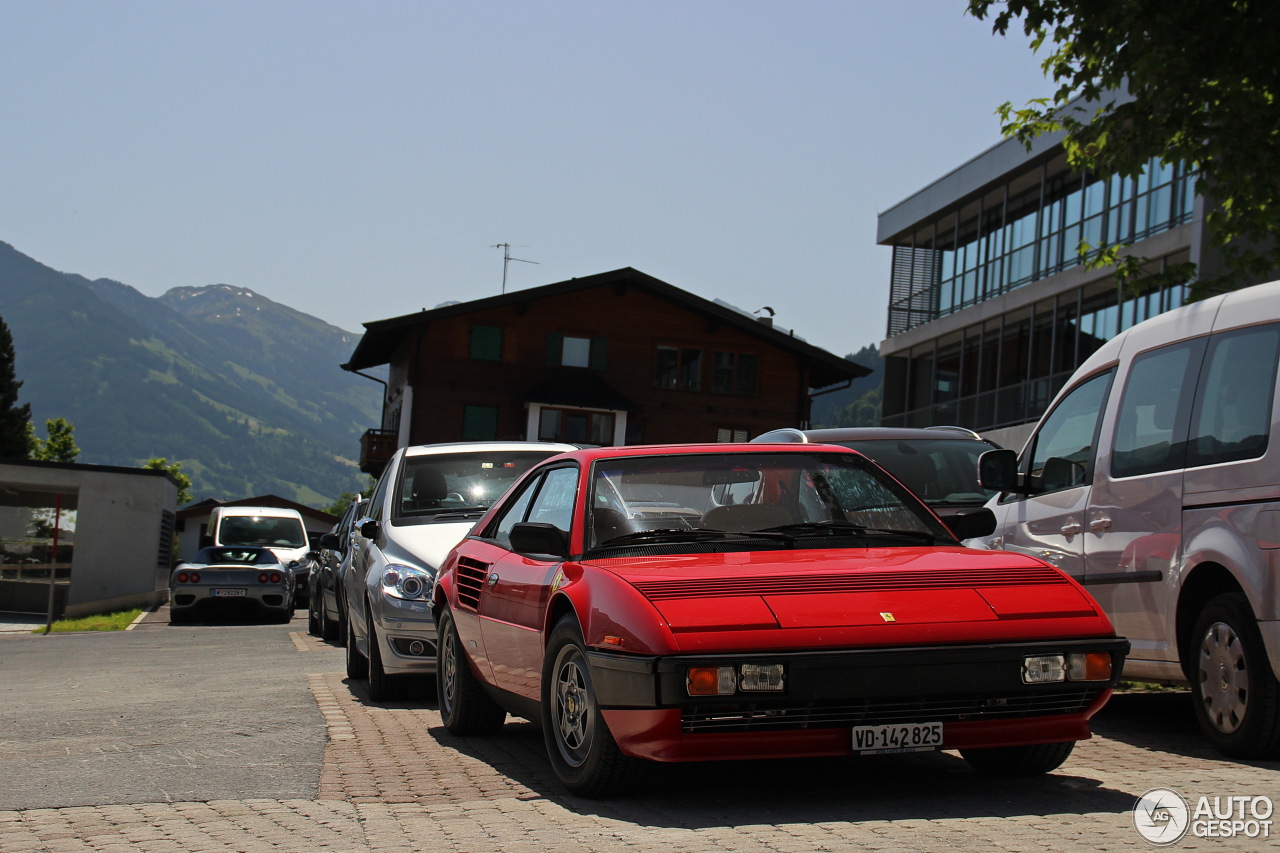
486, 447
591, 454
791, 436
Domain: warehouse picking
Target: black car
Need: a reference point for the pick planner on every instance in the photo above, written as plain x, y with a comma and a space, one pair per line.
326, 617
939, 464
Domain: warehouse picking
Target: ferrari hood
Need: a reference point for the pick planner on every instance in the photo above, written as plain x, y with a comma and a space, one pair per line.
887, 594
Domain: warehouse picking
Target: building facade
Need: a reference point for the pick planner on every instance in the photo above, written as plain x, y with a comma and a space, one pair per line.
80, 539
992, 304
615, 358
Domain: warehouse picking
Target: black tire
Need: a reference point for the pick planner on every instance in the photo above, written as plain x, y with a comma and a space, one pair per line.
583, 753
284, 617
313, 621
381, 686
357, 664
465, 708
328, 627
1237, 697
179, 618
1030, 760
343, 628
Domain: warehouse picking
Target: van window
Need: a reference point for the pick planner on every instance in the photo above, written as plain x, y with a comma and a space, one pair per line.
1063, 451
1151, 422
261, 530
1232, 415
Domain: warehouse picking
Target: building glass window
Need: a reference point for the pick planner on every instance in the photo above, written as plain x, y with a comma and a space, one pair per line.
577, 351
1013, 237
576, 426
734, 373
486, 343
679, 368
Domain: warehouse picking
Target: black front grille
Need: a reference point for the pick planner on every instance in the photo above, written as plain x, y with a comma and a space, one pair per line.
780, 716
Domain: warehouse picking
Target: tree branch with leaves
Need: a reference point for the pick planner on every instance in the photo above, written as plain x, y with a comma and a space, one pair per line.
1193, 81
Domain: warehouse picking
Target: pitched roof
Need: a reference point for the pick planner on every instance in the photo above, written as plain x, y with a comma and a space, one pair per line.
381, 337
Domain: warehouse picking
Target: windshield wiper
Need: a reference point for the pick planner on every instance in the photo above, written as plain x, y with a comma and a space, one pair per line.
826, 527
836, 528
677, 534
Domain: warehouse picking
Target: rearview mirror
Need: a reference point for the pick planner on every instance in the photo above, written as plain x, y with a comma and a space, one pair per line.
535, 537
998, 470
368, 528
971, 525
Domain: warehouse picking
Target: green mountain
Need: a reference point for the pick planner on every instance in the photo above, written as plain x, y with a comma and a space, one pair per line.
246, 393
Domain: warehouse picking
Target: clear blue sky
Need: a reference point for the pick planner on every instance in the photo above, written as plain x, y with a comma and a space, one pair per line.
358, 161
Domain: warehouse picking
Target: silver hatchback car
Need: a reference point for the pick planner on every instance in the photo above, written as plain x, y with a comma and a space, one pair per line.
428, 498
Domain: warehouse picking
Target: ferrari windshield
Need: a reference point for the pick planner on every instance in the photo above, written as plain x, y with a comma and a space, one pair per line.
468, 483
639, 499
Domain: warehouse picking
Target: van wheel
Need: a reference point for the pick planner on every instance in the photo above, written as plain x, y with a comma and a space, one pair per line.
1031, 760
1237, 697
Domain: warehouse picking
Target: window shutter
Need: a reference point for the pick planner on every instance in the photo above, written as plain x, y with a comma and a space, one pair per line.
555, 348
599, 353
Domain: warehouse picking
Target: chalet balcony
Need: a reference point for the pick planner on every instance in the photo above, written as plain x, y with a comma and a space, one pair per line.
376, 447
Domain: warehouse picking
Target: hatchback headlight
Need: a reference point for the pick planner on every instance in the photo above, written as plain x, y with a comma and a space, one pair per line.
406, 582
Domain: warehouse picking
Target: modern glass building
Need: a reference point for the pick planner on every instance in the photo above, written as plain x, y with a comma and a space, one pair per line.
992, 305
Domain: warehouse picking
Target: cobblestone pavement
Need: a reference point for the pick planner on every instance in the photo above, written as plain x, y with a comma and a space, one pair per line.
394, 781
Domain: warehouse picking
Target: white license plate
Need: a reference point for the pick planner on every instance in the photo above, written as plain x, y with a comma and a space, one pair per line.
229, 593
910, 737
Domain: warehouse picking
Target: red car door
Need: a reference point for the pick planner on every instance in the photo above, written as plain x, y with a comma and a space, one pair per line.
514, 601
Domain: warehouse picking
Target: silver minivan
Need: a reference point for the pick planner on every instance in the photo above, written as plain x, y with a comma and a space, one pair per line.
1153, 479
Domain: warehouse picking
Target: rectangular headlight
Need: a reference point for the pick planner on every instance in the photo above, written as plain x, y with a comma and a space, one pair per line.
761, 676
1044, 669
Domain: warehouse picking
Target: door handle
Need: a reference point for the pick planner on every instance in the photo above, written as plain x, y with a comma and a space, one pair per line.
1099, 523
1071, 528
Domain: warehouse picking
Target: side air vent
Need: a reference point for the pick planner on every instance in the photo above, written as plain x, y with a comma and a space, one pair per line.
859, 582
471, 577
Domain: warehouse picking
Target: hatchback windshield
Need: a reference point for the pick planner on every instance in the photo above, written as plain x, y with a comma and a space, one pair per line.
791, 495
441, 483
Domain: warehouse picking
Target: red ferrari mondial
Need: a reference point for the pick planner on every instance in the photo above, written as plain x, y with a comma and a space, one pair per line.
684, 603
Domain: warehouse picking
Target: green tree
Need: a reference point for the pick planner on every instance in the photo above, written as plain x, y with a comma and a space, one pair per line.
60, 446
1203, 88
175, 470
15, 420
345, 499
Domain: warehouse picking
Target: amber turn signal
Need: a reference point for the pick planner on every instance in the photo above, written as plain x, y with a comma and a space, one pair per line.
1089, 666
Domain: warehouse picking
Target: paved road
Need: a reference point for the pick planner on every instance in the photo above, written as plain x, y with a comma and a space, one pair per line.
248, 738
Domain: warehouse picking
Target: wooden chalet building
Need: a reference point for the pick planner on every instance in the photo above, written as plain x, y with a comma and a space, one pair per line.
614, 358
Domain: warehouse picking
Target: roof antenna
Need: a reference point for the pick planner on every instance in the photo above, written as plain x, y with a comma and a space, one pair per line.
506, 261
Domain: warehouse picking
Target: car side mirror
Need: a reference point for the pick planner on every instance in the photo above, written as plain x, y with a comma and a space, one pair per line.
368, 528
998, 470
330, 542
535, 537
971, 525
